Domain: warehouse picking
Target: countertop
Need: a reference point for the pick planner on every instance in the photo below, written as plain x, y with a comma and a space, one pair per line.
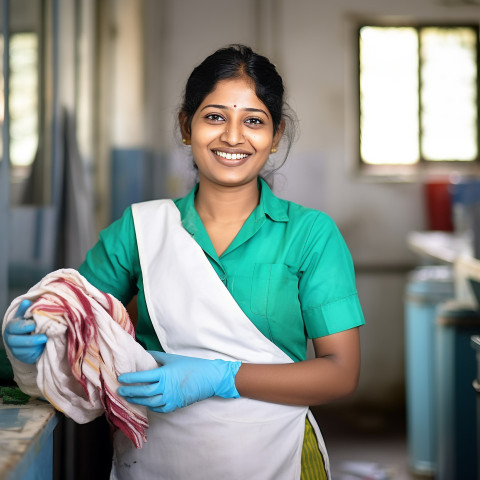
451, 249
26, 440
442, 246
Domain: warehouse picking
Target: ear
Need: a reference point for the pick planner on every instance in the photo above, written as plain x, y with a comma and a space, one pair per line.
279, 134
184, 127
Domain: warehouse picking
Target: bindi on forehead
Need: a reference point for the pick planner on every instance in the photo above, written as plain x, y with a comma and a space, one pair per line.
234, 106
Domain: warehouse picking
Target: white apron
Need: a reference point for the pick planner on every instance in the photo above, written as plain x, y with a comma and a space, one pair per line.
194, 314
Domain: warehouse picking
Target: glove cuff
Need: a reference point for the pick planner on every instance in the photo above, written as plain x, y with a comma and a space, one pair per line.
226, 387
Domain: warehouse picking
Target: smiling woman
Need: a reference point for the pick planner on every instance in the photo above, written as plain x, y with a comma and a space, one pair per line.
231, 283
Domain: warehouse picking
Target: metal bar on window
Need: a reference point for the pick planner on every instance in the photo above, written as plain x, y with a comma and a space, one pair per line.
5, 162
420, 89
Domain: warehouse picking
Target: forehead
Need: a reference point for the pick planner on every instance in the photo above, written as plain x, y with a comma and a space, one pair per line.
234, 91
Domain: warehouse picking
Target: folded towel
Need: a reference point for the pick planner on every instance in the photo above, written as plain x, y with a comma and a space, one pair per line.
90, 343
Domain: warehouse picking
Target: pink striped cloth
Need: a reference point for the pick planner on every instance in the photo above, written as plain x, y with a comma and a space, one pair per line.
91, 340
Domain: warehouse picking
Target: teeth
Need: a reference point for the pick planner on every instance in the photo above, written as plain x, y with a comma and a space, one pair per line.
231, 156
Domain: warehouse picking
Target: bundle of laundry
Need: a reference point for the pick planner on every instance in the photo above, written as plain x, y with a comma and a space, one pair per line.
91, 341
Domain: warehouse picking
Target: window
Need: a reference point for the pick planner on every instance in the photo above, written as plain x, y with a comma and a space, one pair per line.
418, 95
23, 99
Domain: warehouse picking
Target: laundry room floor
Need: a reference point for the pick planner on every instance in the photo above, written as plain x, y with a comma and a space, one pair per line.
365, 445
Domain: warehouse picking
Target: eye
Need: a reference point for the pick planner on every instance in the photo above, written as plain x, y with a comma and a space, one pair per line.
254, 121
215, 117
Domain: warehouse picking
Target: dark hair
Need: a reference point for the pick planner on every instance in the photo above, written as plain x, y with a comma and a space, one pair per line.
236, 61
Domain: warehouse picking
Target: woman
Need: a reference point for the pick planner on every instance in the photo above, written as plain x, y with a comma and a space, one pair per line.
231, 281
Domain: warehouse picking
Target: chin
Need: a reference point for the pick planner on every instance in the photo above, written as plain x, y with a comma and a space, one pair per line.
237, 182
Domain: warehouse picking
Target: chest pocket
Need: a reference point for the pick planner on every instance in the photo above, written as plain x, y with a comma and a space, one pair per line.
268, 295
274, 295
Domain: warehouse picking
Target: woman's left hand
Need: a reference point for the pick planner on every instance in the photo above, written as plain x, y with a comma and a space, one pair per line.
179, 382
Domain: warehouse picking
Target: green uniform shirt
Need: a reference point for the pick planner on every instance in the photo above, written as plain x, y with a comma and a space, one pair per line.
288, 269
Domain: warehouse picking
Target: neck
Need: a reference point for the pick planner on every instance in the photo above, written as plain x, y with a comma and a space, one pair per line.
226, 204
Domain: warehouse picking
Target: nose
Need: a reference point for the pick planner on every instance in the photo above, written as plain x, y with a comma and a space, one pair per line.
233, 134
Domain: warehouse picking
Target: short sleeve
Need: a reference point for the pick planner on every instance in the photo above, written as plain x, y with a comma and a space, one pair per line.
112, 264
327, 288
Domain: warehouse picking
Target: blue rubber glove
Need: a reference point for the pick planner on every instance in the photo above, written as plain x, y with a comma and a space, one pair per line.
179, 382
19, 339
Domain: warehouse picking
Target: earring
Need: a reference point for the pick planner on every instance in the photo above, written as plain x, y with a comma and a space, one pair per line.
273, 150
185, 141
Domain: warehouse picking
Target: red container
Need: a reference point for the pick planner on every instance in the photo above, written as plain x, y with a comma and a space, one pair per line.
438, 205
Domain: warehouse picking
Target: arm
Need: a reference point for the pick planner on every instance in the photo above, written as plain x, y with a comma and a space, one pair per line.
333, 374
181, 380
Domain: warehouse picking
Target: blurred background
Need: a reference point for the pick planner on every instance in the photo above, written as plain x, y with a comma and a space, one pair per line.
386, 95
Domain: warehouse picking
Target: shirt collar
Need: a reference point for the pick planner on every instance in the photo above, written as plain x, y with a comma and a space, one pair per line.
269, 205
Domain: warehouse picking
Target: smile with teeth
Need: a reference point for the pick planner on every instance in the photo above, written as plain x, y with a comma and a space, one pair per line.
231, 156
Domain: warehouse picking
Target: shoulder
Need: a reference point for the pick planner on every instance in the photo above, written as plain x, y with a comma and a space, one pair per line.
122, 224
309, 220
118, 239
112, 264
314, 234
297, 215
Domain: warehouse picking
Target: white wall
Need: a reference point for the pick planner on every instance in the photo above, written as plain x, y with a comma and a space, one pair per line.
127, 79
319, 63
312, 43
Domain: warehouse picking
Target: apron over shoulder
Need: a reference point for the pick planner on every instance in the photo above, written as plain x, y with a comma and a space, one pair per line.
194, 314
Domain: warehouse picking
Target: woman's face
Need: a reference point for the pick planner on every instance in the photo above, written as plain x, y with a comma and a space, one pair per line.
231, 134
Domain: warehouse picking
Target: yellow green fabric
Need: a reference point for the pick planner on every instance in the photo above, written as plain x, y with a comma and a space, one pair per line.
313, 467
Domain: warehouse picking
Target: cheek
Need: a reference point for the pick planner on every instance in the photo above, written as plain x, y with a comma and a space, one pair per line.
202, 135
262, 142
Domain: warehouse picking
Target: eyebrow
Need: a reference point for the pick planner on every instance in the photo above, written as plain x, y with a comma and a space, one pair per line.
223, 107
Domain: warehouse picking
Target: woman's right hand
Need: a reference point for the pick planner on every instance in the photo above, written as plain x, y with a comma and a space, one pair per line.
19, 339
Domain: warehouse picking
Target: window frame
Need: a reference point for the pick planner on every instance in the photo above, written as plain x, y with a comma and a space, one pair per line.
423, 167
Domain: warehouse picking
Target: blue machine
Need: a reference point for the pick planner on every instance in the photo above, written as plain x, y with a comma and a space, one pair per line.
426, 289
456, 399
